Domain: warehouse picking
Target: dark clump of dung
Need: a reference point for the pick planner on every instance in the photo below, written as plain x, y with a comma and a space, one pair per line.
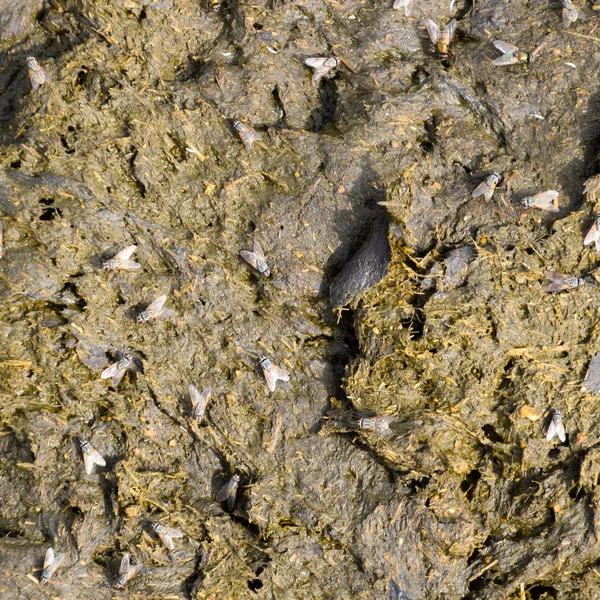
366, 268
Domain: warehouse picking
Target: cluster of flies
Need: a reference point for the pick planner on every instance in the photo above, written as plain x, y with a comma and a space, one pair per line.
165, 533
127, 571
322, 66
545, 201
570, 14
129, 363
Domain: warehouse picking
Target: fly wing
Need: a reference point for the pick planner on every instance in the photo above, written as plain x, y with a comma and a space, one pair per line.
566, 16
129, 265
593, 235
558, 282
199, 400
448, 32
506, 59
547, 196
125, 566
505, 47
544, 200
280, 373
88, 461
433, 30
35, 84
126, 253
480, 190
231, 499
489, 193
110, 371
258, 250
167, 541
249, 257
118, 377
46, 75
157, 304
271, 379
560, 432
552, 430
225, 492
315, 62
96, 458
172, 532
134, 571
49, 558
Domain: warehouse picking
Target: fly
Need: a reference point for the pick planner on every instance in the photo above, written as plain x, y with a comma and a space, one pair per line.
593, 235
570, 14
377, 424
511, 55
560, 282
256, 259
121, 261
37, 74
322, 66
488, 187
91, 456
406, 4
199, 402
556, 427
229, 491
126, 572
118, 369
166, 535
155, 310
441, 39
543, 201
246, 134
51, 563
272, 373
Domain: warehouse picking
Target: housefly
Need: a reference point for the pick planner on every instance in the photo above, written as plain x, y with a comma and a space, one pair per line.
51, 563
560, 282
155, 310
166, 534
272, 373
556, 427
121, 261
118, 369
126, 572
256, 258
441, 39
377, 424
570, 14
321, 66
246, 134
199, 402
91, 456
37, 74
488, 187
407, 5
543, 201
229, 491
593, 235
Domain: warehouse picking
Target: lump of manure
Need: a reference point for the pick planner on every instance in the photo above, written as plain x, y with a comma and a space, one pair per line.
591, 383
366, 268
